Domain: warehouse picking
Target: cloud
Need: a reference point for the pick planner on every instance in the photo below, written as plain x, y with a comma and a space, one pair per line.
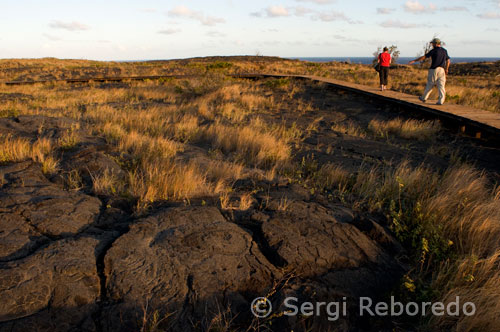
280, 11
51, 37
490, 16
318, 2
277, 11
70, 26
169, 31
384, 10
183, 11
416, 7
148, 10
454, 9
301, 11
480, 42
397, 24
215, 34
331, 16
344, 38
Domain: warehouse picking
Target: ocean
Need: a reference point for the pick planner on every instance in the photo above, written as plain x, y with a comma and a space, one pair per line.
401, 60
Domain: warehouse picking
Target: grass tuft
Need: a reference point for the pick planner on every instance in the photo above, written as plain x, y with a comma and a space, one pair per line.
408, 129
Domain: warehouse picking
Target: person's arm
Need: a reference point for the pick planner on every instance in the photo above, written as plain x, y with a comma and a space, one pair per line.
417, 60
447, 66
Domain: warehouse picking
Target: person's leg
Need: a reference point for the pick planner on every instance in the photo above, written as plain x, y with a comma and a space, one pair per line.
386, 76
381, 76
441, 82
431, 81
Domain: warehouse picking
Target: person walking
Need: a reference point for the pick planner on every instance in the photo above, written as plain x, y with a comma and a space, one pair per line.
384, 60
437, 72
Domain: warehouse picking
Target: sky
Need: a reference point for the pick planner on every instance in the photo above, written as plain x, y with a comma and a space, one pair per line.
153, 29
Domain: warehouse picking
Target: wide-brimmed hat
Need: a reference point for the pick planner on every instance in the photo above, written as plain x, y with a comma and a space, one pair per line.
436, 41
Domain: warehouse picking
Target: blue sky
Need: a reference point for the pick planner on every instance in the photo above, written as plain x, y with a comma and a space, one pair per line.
152, 29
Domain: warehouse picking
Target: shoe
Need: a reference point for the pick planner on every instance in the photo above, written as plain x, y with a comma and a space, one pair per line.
421, 99
438, 103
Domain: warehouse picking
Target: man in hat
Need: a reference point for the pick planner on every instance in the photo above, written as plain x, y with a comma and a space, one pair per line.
437, 71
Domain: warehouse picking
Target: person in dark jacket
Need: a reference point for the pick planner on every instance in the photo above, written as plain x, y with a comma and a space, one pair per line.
384, 59
437, 72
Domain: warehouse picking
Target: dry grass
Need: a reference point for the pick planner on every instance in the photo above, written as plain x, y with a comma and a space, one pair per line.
457, 211
167, 181
69, 139
349, 128
223, 172
73, 180
148, 149
21, 149
194, 138
105, 183
333, 176
249, 144
379, 187
155, 136
14, 149
284, 204
475, 91
475, 280
468, 209
246, 201
408, 129
49, 163
453, 221
469, 212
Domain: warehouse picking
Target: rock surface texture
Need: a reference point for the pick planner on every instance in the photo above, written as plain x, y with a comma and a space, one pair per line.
71, 260
185, 261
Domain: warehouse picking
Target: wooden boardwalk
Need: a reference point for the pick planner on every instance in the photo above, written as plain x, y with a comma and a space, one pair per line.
477, 122
98, 79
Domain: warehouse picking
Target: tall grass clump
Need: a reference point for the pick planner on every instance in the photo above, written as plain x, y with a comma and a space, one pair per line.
107, 183
249, 144
333, 177
166, 181
21, 149
408, 129
450, 225
469, 211
349, 128
14, 149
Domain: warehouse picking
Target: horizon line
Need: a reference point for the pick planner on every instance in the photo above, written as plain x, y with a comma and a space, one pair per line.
228, 56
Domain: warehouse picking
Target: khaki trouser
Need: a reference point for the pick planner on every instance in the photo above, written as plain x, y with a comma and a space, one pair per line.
436, 77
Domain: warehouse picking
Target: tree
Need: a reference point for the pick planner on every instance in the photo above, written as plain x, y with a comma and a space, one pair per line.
393, 51
426, 48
